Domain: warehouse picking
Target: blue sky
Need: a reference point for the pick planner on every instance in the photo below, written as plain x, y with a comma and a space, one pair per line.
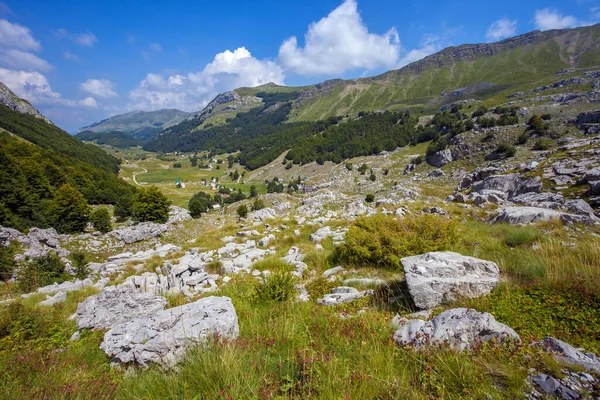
82, 61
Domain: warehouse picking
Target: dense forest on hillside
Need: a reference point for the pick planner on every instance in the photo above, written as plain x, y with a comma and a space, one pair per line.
114, 138
262, 134
30, 174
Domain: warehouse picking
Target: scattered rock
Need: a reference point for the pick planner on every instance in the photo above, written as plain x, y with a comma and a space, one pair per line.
52, 300
568, 354
139, 232
436, 173
332, 271
458, 328
440, 158
553, 387
525, 215
342, 294
164, 337
437, 277
178, 214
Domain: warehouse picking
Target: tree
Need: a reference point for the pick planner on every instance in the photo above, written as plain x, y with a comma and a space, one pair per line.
253, 192
258, 204
122, 209
69, 211
100, 219
370, 198
242, 211
199, 203
7, 262
372, 177
150, 204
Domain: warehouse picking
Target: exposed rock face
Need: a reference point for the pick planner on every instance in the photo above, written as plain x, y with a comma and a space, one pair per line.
15, 103
139, 232
511, 184
440, 158
263, 214
528, 215
164, 337
116, 306
568, 354
459, 328
52, 300
66, 286
553, 387
342, 294
7, 235
437, 277
177, 214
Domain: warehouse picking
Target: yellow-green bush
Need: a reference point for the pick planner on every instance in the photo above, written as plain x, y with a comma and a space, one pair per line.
382, 240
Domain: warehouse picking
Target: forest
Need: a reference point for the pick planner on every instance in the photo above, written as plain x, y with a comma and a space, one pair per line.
115, 138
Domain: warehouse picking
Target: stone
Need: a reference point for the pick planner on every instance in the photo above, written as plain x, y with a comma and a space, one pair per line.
262, 214
364, 281
264, 242
7, 235
525, 215
178, 214
594, 188
49, 236
410, 168
115, 306
66, 286
164, 337
465, 183
592, 175
579, 207
568, 354
332, 271
459, 328
553, 387
342, 294
511, 184
75, 336
440, 158
437, 277
436, 173
52, 300
139, 232
541, 200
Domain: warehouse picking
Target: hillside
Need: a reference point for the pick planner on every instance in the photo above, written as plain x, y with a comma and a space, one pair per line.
15, 103
115, 139
142, 125
480, 72
37, 158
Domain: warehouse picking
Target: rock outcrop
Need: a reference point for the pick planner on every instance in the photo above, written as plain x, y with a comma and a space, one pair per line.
164, 337
342, 294
139, 232
115, 306
568, 354
15, 103
459, 328
440, 158
437, 277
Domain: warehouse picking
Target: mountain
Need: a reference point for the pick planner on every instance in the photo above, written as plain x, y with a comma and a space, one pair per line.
114, 139
142, 125
476, 72
37, 158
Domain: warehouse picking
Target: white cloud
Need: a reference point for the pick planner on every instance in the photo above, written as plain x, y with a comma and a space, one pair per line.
85, 39
70, 56
191, 92
18, 59
32, 86
88, 102
99, 87
155, 47
16, 36
551, 19
501, 29
340, 42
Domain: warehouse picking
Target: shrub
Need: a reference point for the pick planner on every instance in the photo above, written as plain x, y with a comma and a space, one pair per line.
372, 177
177, 165
436, 146
122, 209
349, 166
481, 110
79, 262
278, 286
382, 240
258, 204
289, 165
419, 160
370, 198
41, 271
523, 138
150, 204
242, 211
546, 117
506, 149
518, 236
199, 203
100, 219
542, 144
7, 262
363, 168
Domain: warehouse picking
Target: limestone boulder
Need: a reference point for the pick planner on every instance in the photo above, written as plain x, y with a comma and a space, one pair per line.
437, 277
164, 337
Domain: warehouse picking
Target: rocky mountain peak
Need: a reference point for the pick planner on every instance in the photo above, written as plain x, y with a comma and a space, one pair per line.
15, 103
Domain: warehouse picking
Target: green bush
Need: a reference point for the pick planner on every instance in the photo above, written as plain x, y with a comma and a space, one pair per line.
419, 160
40, 272
242, 211
372, 177
370, 198
506, 149
381, 240
79, 263
150, 204
258, 204
518, 236
123, 207
7, 262
542, 144
278, 286
199, 203
523, 138
100, 219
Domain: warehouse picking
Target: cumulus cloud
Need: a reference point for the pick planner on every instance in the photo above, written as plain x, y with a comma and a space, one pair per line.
102, 88
501, 29
70, 56
89, 102
17, 48
83, 39
551, 19
191, 92
340, 42
32, 86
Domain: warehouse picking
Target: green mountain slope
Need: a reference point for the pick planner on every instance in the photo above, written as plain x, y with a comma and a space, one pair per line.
142, 125
115, 139
487, 72
37, 158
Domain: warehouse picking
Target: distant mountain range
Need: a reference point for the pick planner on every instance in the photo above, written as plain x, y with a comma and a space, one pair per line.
142, 125
488, 72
